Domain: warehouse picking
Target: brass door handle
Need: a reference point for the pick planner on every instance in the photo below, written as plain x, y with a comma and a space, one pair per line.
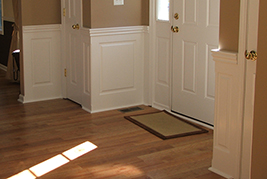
175, 29
76, 26
252, 55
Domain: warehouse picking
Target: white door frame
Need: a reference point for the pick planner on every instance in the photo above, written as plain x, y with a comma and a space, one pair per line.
152, 68
251, 42
63, 50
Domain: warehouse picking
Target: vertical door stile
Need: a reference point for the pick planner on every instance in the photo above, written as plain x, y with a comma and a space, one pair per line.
73, 50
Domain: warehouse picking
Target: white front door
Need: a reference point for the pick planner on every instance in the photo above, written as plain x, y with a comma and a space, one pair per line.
193, 76
74, 70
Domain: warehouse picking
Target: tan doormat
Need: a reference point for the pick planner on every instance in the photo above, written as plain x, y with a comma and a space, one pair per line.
165, 125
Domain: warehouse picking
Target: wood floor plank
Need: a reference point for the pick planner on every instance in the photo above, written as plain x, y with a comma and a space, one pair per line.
34, 132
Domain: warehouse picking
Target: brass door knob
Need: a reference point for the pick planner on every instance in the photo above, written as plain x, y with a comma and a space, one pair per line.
175, 29
252, 55
76, 26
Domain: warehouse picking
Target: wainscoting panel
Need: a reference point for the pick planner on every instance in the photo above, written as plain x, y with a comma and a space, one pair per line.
227, 118
117, 72
42, 61
117, 64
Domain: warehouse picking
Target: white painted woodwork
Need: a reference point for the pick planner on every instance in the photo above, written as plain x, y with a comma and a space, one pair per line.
42, 61
86, 69
227, 119
234, 102
73, 47
148, 67
193, 73
112, 69
162, 63
105, 66
252, 43
117, 67
174, 76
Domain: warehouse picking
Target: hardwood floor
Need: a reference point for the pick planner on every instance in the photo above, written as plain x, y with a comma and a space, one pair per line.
34, 132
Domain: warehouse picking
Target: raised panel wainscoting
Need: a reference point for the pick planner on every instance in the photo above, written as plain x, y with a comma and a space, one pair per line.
42, 61
112, 59
117, 67
228, 118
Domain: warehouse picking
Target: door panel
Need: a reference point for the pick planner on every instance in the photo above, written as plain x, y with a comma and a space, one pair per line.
189, 67
73, 48
163, 55
193, 75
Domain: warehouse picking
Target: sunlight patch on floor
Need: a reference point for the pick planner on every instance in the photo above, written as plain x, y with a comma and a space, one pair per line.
79, 150
24, 174
49, 165
55, 162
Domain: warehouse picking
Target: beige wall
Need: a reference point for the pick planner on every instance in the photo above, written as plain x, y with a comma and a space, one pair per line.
259, 149
97, 13
8, 9
102, 13
229, 24
87, 13
37, 12
145, 12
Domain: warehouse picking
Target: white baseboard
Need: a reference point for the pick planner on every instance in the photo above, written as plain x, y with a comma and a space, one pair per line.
24, 101
86, 109
160, 106
113, 108
220, 173
39, 100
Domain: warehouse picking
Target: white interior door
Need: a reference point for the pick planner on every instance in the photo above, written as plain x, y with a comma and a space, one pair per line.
193, 75
251, 44
73, 22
